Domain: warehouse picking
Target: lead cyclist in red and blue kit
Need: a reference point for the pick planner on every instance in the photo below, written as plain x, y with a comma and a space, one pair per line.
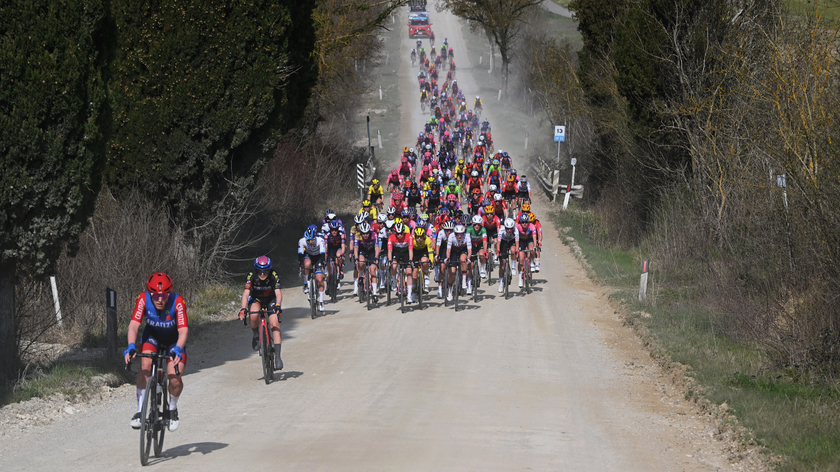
166, 329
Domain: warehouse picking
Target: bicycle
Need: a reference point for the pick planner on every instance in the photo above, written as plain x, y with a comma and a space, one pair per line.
332, 280
155, 411
313, 290
476, 276
506, 275
402, 290
266, 346
526, 271
365, 288
455, 287
491, 263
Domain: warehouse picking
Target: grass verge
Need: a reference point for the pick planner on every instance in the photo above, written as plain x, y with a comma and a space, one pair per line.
789, 416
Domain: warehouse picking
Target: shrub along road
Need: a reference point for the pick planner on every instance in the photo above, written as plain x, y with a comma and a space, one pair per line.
547, 381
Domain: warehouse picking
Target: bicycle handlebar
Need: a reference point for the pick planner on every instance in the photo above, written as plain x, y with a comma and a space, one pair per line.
154, 355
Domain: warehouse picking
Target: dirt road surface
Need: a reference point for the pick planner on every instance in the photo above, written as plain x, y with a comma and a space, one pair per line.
546, 381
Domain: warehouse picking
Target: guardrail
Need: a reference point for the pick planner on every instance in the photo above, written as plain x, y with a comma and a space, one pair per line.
548, 178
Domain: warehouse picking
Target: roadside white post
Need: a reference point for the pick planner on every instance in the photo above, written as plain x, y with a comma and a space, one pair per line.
500, 94
379, 136
574, 161
380, 96
566, 200
644, 280
526, 141
480, 59
57, 305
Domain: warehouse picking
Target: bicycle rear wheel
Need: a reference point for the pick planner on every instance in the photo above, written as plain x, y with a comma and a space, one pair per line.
148, 416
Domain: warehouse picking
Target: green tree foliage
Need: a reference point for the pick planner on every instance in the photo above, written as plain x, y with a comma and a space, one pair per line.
53, 100
202, 89
501, 20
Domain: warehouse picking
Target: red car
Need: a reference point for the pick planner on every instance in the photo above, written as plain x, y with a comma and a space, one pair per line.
419, 26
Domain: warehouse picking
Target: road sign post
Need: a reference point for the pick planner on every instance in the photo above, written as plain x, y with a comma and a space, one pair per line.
559, 136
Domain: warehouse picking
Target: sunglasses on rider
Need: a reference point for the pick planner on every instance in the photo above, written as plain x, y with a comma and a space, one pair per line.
157, 297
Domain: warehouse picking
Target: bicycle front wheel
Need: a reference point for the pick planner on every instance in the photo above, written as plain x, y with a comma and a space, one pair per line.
267, 365
476, 279
148, 416
456, 288
162, 401
312, 296
507, 278
401, 289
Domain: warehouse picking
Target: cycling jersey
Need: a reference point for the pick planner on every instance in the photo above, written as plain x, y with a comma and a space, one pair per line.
454, 242
526, 233
400, 242
524, 188
450, 190
423, 247
335, 240
166, 322
317, 247
372, 212
366, 245
376, 191
478, 238
262, 288
512, 235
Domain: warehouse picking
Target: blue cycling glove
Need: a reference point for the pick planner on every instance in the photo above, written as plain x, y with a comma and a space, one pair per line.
130, 350
177, 352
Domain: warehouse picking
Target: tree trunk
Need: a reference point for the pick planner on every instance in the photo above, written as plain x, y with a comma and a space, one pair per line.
9, 353
492, 51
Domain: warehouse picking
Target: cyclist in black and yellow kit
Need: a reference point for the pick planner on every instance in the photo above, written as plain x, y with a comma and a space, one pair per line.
375, 193
424, 255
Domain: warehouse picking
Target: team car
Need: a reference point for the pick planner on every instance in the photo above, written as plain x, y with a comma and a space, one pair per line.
419, 25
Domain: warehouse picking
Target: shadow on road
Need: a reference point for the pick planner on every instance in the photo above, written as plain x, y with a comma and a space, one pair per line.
184, 450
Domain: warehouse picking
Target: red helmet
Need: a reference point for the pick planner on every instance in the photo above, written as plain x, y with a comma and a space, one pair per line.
404, 160
425, 167
159, 283
394, 172
398, 196
476, 190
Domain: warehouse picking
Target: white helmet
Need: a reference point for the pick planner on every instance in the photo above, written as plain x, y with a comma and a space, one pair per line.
492, 188
411, 150
364, 228
459, 229
497, 197
509, 223
477, 97
476, 220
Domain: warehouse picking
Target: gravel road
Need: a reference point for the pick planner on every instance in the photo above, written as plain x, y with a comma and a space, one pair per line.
547, 381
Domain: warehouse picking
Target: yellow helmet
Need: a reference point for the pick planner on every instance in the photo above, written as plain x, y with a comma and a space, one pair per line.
419, 232
365, 203
526, 207
375, 181
532, 218
489, 209
405, 149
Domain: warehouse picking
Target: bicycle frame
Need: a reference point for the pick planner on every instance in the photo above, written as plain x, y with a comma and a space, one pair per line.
154, 419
